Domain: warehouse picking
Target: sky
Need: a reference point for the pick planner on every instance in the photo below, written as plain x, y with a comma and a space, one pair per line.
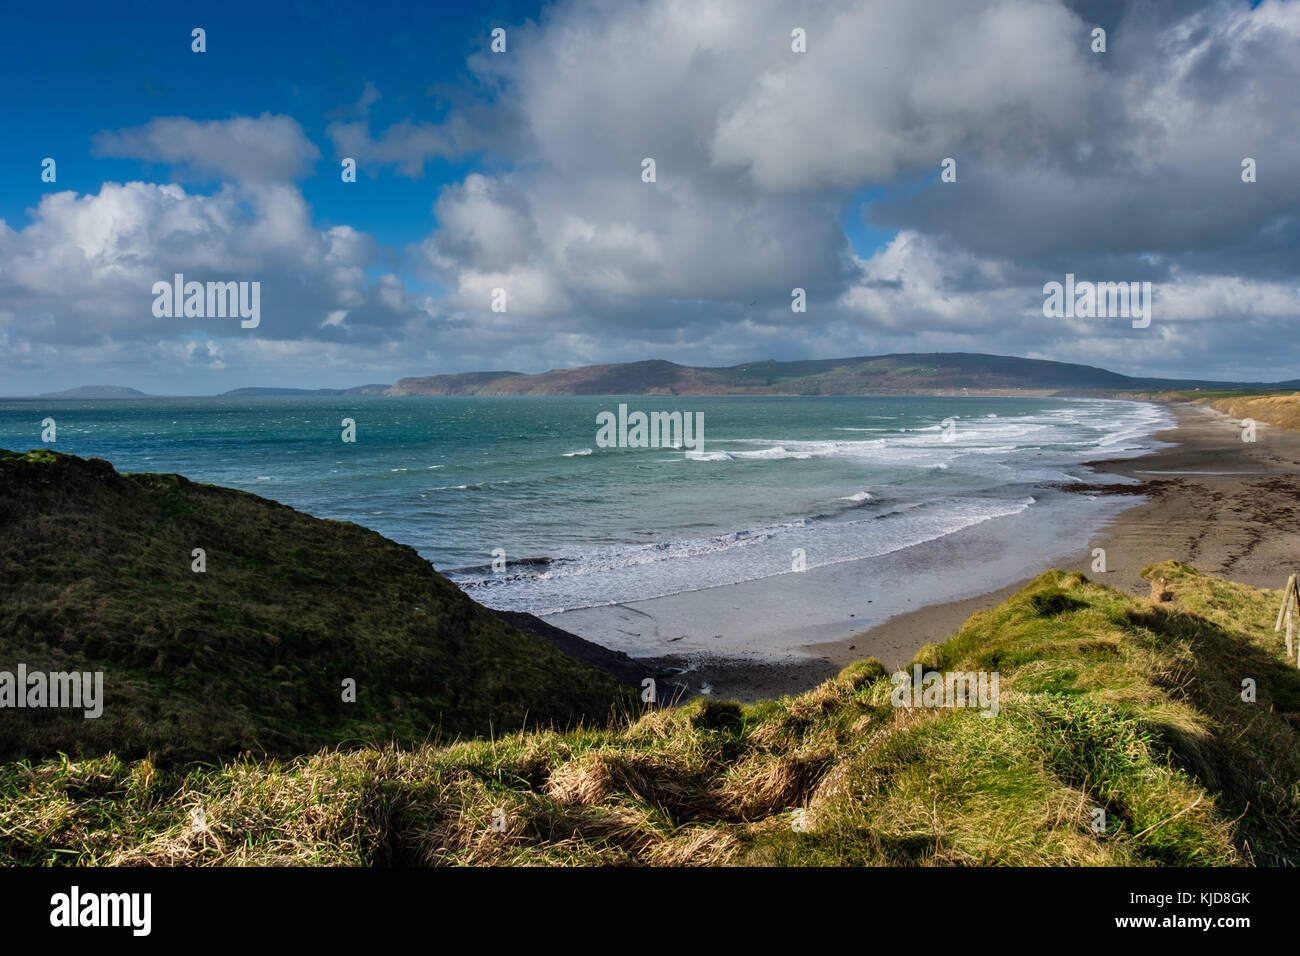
523, 170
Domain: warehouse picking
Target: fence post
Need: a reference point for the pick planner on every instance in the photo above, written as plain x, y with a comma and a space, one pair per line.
1289, 603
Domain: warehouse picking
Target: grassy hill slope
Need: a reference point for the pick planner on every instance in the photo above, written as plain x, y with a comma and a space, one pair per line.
1272, 406
95, 574
1282, 410
1107, 702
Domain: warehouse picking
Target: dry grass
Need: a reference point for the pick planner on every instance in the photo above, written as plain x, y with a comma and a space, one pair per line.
1280, 410
1108, 703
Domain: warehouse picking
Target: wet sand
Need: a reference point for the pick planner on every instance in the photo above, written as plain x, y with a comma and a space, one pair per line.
1225, 506
1238, 524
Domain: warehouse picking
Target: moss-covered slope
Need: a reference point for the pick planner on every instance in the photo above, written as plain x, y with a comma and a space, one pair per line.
251, 654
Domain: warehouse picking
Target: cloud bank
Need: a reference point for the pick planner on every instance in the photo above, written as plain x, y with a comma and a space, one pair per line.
774, 169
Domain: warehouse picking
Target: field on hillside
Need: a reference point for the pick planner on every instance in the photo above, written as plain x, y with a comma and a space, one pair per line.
1282, 410
1122, 737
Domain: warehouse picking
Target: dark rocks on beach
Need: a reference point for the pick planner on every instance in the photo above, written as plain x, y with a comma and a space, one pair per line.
616, 663
1090, 488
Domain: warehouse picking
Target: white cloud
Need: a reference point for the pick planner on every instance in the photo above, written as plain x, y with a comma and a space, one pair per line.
84, 268
266, 149
894, 88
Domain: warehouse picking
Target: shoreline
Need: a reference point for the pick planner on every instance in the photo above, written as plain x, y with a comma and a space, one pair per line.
1204, 506
1208, 500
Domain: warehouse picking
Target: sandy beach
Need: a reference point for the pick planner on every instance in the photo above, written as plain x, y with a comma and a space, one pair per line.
1207, 499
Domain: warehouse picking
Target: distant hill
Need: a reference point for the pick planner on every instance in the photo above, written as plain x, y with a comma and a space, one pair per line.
902, 374
258, 392
912, 373
251, 654
463, 383
96, 391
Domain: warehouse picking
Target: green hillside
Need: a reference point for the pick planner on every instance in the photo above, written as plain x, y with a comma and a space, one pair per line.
251, 654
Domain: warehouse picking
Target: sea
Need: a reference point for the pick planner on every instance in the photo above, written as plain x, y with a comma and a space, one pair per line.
516, 500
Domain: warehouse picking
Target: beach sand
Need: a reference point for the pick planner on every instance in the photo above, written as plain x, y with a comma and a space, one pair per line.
1224, 506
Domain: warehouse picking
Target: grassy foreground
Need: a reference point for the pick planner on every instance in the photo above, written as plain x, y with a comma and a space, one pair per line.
1131, 706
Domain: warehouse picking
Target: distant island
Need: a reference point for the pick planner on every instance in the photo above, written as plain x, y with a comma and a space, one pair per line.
96, 392
273, 392
912, 373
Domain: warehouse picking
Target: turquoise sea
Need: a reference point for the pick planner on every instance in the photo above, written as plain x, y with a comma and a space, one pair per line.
572, 524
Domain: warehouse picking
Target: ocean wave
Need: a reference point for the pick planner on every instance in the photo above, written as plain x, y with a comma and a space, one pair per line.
621, 573
776, 453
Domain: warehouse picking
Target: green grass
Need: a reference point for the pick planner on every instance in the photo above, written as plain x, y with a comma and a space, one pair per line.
95, 575
1129, 705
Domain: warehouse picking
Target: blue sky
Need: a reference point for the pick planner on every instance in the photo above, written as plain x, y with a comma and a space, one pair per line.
103, 67
521, 171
